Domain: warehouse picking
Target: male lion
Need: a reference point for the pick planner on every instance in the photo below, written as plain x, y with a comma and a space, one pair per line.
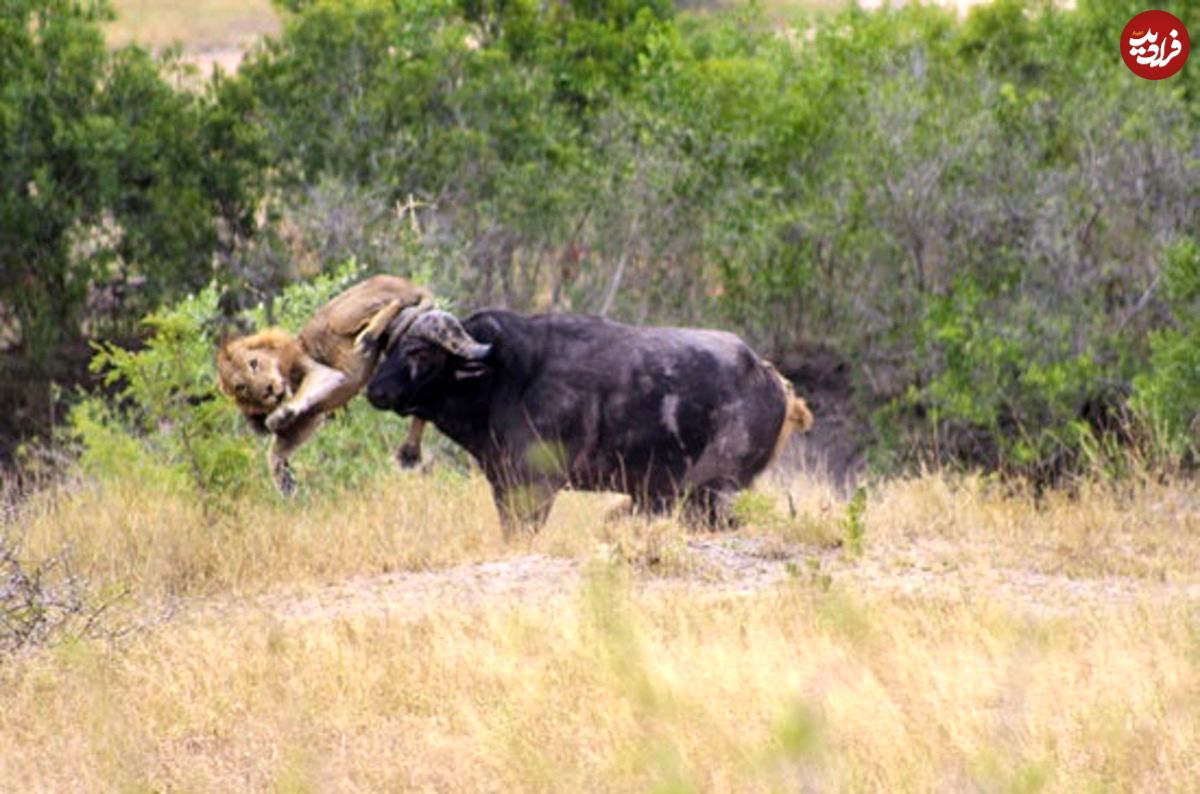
284, 384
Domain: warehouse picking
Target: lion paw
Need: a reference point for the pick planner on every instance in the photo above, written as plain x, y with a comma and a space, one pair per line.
285, 481
281, 419
367, 343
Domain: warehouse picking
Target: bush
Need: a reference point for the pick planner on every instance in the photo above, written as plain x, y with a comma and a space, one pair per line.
119, 189
45, 601
703, 169
1167, 394
1007, 387
168, 427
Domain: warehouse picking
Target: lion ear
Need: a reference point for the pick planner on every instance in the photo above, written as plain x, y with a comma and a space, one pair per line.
226, 335
223, 361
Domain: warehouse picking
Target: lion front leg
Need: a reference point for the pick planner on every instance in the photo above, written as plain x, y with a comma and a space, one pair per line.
319, 384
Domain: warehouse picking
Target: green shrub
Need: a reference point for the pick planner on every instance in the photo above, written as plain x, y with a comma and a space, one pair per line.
117, 186
854, 522
1167, 394
1007, 387
167, 426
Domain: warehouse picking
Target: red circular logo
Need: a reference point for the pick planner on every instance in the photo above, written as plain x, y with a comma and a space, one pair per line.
1155, 44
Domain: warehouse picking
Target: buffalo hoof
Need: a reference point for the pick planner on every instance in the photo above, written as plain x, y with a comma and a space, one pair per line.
710, 510
408, 456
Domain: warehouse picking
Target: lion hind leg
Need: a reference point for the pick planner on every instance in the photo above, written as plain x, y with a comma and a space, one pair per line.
401, 322
368, 341
281, 451
389, 324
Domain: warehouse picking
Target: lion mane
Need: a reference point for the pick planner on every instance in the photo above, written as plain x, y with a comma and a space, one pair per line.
245, 367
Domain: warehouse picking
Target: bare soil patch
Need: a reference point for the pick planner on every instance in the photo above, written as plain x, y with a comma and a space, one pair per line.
717, 565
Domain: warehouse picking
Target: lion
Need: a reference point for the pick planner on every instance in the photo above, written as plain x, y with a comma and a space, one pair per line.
285, 384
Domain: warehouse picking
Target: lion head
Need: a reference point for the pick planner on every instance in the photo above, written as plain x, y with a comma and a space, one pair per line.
255, 370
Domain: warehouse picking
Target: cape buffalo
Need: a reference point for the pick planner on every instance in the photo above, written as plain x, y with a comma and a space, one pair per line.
550, 401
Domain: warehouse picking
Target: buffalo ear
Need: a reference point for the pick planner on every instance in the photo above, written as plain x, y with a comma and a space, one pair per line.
471, 369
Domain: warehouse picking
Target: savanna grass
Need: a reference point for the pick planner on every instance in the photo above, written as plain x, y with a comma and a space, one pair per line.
614, 690
829, 683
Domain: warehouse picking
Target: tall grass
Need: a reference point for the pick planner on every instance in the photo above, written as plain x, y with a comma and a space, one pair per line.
163, 543
813, 683
783, 690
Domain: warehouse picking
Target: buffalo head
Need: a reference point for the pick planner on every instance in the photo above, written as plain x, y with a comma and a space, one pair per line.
434, 353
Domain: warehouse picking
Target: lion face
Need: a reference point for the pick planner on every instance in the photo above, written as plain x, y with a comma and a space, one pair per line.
252, 372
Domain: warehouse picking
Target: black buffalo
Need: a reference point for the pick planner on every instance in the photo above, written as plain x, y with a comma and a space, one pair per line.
550, 401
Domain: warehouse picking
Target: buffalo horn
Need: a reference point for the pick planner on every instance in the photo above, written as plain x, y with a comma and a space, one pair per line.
444, 330
404, 320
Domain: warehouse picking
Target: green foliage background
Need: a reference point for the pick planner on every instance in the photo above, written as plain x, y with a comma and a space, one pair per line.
988, 218
110, 176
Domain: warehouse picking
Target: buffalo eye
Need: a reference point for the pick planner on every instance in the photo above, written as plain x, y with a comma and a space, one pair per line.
419, 360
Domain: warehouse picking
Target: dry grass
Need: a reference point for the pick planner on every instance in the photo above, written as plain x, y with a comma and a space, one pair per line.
166, 544
199, 25
778, 691
823, 683
1143, 528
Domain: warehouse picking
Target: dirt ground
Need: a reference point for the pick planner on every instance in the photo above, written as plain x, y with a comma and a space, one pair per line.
717, 565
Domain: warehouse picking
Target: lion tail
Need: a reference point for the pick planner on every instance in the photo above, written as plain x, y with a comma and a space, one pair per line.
798, 413
796, 416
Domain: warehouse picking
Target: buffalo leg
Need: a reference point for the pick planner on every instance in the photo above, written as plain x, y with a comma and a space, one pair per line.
711, 508
523, 507
409, 454
653, 504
